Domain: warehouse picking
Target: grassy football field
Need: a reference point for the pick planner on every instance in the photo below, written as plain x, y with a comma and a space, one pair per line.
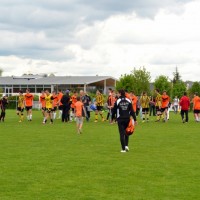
53, 162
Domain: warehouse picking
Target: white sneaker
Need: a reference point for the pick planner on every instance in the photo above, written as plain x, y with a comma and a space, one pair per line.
123, 151
126, 148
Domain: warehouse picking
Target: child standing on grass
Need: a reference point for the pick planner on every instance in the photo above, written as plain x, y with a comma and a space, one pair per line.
79, 108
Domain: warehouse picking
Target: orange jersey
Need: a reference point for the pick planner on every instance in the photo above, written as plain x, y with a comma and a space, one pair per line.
78, 109
60, 95
111, 101
134, 100
28, 99
127, 95
196, 103
165, 101
73, 100
42, 101
55, 100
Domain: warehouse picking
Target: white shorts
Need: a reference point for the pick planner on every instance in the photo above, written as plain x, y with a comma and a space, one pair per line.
79, 120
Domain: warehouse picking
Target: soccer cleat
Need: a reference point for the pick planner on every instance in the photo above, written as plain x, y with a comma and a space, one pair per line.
183, 120
157, 120
20, 121
95, 121
123, 151
126, 148
143, 121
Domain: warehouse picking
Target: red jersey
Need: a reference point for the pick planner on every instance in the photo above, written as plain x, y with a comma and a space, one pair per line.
184, 103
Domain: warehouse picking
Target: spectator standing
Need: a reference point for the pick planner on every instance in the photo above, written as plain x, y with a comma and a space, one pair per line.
176, 104
185, 105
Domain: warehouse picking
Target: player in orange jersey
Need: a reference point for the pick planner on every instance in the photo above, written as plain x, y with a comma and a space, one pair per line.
43, 102
28, 104
196, 107
73, 101
79, 109
55, 103
60, 105
127, 95
109, 103
164, 105
134, 100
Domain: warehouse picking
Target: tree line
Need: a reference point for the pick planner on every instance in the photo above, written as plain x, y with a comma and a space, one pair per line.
139, 80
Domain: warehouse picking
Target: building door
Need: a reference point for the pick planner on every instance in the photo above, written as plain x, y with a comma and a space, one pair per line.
8, 91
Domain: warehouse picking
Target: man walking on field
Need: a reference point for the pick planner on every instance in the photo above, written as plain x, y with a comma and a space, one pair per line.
79, 109
123, 110
185, 105
196, 107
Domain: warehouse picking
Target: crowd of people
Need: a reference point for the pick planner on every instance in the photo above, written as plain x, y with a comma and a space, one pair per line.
121, 106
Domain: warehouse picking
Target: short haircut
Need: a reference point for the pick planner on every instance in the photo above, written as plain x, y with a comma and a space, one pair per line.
122, 92
157, 90
78, 98
185, 93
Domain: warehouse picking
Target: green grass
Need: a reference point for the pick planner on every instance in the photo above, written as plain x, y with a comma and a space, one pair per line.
52, 162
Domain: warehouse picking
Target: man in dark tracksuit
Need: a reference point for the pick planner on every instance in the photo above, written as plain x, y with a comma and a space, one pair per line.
3, 103
65, 100
123, 109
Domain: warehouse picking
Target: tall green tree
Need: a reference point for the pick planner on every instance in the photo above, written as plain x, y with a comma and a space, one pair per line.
138, 81
178, 89
195, 88
177, 76
125, 82
162, 83
141, 80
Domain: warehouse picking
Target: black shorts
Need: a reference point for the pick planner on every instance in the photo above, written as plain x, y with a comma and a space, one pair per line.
158, 109
28, 108
43, 108
73, 110
99, 108
49, 110
60, 107
20, 109
196, 111
145, 110
54, 109
163, 109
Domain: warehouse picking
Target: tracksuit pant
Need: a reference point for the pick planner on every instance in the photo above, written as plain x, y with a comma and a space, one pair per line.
122, 125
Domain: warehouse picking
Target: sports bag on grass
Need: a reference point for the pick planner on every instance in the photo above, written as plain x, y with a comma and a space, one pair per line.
130, 128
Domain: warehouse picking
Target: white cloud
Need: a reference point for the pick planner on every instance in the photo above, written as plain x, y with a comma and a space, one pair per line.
97, 38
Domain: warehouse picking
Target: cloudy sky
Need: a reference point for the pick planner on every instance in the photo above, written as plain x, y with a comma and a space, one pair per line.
107, 37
